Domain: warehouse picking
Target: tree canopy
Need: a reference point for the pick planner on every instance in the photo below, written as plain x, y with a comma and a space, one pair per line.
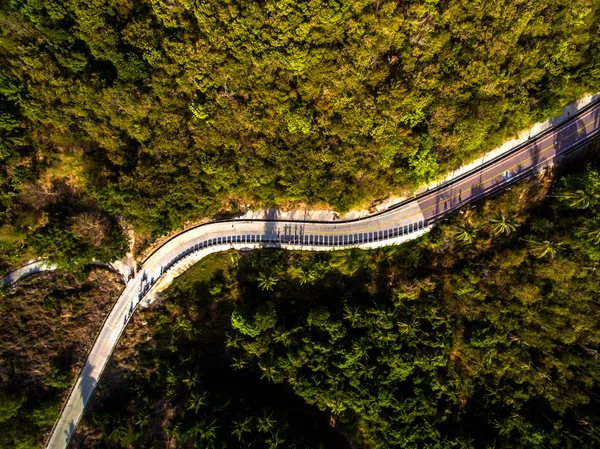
175, 107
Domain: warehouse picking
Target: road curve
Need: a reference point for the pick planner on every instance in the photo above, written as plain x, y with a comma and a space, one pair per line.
37, 266
402, 222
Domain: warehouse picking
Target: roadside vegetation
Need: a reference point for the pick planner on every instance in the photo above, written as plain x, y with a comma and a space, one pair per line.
48, 322
172, 379
483, 333
163, 112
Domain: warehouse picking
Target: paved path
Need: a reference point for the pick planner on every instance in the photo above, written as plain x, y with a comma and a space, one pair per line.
32, 267
40, 266
405, 221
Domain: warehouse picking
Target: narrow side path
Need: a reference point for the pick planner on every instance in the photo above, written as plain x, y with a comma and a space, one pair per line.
33, 267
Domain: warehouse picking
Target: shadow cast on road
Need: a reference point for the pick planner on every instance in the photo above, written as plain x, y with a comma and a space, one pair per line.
88, 382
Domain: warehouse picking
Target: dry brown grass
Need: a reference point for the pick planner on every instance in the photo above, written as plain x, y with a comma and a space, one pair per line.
50, 319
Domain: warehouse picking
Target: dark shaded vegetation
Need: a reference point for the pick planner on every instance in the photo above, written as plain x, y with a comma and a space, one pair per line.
174, 109
486, 341
48, 322
170, 380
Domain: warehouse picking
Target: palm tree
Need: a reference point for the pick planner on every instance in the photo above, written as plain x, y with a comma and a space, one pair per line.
544, 248
352, 314
405, 328
307, 276
191, 380
266, 423
197, 401
594, 236
579, 199
118, 433
282, 336
172, 429
232, 341
359, 351
591, 233
143, 418
275, 441
465, 233
184, 323
242, 426
238, 363
503, 225
321, 268
384, 317
267, 281
10, 142
208, 431
268, 367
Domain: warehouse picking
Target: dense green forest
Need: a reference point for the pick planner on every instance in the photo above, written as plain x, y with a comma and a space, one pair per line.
481, 334
47, 322
165, 111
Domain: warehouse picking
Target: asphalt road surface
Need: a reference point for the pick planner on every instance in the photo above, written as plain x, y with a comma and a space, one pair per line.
402, 222
31, 268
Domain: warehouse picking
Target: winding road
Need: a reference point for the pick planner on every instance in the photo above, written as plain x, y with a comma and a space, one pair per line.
404, 221
36, 266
